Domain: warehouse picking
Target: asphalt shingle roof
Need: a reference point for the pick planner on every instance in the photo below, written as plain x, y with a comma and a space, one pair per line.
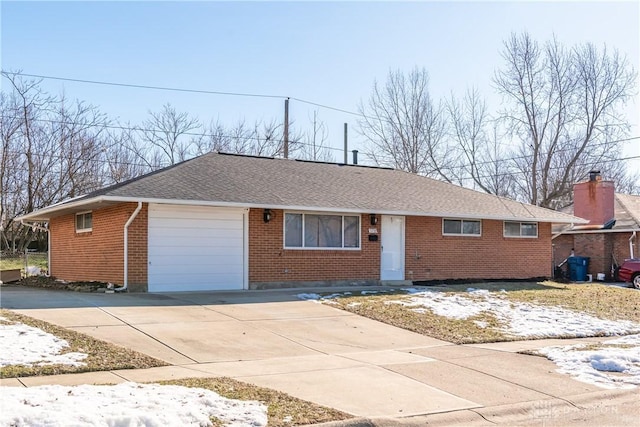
284, 183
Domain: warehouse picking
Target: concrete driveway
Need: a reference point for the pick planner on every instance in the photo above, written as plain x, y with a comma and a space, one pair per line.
309, 350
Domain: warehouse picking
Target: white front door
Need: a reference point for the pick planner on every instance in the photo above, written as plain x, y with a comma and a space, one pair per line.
392, 248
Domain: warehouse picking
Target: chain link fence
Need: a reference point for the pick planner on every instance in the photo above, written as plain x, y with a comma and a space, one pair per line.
29, 263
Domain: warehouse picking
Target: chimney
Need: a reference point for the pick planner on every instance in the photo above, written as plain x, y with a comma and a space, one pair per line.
594, 199
355, 157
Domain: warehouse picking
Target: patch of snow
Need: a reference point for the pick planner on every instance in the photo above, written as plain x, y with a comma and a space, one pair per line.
33, 270
318, 297
626, 340
608, 366
25, 345
127, 404
519, 319
310, 296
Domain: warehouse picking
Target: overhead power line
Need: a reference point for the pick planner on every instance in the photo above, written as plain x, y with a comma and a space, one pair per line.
137, 86
175, 89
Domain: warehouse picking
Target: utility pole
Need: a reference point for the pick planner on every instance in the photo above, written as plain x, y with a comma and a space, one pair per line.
286, 128
346, 160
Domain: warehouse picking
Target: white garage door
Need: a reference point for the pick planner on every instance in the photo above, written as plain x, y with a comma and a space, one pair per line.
195, 248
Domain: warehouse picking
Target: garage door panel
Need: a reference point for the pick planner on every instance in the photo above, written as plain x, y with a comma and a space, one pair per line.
194, 283
198, 265
171, 255
212, 231
183, 225
164, 212
195, 244
193, 248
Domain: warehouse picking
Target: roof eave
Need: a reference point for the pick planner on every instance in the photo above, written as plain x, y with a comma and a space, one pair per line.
47, 213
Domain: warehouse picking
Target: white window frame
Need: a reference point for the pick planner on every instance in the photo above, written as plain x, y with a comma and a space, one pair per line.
521, 236
85, 229
307, 248
461, 234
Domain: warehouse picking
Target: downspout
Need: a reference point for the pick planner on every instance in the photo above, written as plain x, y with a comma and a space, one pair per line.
126, 247
633, 236
38, 227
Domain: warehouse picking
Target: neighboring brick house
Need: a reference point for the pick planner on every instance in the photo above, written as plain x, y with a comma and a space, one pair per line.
612, 234
223, 221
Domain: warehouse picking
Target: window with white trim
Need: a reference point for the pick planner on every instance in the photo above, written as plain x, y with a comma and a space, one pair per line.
321, 231
520, 229
461, 227
84, 222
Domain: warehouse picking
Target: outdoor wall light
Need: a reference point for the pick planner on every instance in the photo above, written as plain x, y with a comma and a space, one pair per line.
267, 215
373, 219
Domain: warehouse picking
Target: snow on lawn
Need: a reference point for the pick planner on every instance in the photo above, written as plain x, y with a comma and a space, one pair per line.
127, 404
25, 345
519, 319
613, 364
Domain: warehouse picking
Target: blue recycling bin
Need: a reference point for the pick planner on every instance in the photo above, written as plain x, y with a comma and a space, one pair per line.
578, 266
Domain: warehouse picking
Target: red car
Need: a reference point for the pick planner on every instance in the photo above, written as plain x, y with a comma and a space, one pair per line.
630, 272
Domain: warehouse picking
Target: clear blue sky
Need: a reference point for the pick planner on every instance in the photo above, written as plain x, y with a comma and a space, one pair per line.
326, 52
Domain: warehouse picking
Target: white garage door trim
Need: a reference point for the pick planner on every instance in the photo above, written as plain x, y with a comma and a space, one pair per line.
197, 248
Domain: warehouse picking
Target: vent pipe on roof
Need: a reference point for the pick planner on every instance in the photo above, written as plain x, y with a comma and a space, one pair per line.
355, 156
286, 128
346, 155
594, 176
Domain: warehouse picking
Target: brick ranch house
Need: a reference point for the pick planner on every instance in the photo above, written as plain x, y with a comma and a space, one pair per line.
613, 231
222, 222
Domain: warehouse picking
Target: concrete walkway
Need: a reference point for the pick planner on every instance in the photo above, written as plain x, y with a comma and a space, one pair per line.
317, 353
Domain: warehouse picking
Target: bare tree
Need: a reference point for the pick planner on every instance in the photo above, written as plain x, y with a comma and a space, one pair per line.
167, 137
52, 150
314, 142
260, 138
404, 127
121, 162
562, 110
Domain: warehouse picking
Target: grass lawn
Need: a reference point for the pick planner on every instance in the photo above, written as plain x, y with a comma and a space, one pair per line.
103, 356
605, 302
283, 409
10, 262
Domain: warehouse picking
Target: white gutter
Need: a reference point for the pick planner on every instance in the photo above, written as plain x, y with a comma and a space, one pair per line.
126, 246
568, 220
613, 230
43, 213
633, 236
45, 229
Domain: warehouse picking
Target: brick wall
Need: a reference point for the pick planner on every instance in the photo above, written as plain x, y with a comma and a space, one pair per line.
432, 256
269, 262
563, 245
429, 255
99, 254
620, 246
596, 246
603, 249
